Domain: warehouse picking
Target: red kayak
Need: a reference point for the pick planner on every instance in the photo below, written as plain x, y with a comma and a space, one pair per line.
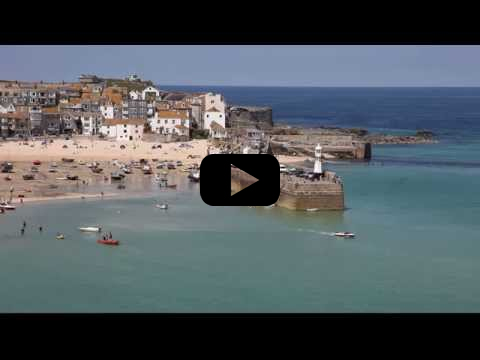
108, 242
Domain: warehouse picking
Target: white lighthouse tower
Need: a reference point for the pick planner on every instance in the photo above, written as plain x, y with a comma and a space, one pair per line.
317, 169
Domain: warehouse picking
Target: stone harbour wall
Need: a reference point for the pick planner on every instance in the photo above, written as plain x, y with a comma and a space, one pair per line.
322, 194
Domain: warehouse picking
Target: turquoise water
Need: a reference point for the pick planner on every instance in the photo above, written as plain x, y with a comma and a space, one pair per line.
417, 249
415, 210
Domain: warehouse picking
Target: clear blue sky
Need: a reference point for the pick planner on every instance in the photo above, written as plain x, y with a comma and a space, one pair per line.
251, 65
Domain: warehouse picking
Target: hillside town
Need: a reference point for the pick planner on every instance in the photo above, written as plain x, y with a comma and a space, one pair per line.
123, 110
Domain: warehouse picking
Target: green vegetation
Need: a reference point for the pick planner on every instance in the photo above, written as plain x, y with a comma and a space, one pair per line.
130, 85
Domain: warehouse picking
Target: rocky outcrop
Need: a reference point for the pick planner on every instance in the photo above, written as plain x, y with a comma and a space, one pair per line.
250, 116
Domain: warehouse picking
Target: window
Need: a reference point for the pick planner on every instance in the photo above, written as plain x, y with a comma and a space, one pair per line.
158, 121
208, 115
125, 131
166, 121
220, 115
173, 121
125, 125
212, 102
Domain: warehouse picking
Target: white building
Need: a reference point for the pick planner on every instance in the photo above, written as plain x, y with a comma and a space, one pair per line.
211, 115
150, 93
10, 108
108, 111
170, 122
216, 101
91, 123
123, 129
217, 131
135, 95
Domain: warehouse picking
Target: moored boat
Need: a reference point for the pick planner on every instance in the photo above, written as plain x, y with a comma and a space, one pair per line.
108, 242
6, 206
194, 176
90, 229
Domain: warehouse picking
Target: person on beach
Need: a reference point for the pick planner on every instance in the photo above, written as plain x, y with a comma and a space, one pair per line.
22, 231
40, 228
24, 224
110, 235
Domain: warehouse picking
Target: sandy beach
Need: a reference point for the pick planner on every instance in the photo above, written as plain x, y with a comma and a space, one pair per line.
50, 185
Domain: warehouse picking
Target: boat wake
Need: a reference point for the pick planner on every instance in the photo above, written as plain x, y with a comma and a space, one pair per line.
325, 233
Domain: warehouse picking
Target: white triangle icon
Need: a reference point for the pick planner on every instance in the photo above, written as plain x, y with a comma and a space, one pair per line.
253, 178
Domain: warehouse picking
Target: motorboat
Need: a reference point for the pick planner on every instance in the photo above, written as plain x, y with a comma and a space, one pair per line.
60, 237
162, 206
68, 160
90, 229
7, 206
270, 206
72, 177
126, 170
28, 177
194, 176
52, 170
147, 170
312, 209
37, 162
34, 169
81, 162
108, 242
345, 234
53, 164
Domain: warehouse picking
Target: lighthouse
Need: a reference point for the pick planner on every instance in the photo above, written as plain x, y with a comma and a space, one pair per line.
317, 169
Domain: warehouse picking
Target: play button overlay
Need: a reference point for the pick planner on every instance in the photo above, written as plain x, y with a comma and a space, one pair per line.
250, 180
240, 180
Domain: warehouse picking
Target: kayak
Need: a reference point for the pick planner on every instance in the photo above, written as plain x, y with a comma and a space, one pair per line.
108, 242
90, 229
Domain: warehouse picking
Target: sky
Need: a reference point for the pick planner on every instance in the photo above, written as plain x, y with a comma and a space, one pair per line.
255, 65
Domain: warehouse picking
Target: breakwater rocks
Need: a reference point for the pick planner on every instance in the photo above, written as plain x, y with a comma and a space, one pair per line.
338, 143
421, 137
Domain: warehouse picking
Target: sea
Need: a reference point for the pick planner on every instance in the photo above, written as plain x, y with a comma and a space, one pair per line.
415, 210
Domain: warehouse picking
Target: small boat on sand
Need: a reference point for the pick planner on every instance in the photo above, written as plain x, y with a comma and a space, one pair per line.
90, 229
108, 242
116, 176
68, 160
345, 234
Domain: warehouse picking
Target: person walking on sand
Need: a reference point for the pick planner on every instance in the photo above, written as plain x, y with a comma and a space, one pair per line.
40, 228
22, 231
24, 224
